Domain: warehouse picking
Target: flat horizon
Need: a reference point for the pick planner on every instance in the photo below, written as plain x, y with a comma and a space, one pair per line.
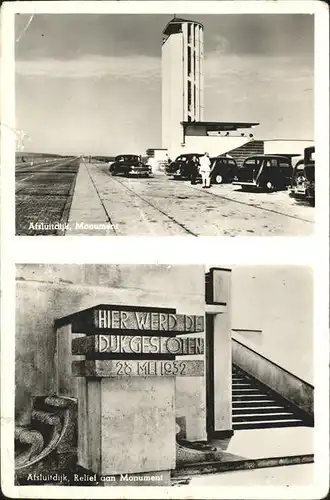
98, 78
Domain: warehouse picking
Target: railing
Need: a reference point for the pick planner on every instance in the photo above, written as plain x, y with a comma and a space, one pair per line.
295, 390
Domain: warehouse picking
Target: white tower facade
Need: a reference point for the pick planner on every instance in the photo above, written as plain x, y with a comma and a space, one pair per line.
182, 80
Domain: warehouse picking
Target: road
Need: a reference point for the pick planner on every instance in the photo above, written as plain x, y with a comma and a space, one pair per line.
161, 206
43, 193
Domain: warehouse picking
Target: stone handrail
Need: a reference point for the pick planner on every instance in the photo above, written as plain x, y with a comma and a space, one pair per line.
295, 390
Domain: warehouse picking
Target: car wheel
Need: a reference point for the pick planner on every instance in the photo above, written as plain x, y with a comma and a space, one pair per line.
218, 179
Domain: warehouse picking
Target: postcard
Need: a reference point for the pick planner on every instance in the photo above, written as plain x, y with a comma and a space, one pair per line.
158, 365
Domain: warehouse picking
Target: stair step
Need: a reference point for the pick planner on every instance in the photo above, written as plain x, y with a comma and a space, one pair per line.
247, 390
256, 409
255, 402
269, 417
252, 406
268, 424
240, 385
238, 397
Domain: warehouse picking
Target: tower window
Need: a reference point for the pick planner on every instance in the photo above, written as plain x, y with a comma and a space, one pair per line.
195, 95
189, 95
189, 60
190, 33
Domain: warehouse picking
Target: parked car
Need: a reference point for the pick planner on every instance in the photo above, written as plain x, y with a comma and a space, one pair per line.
129, 165
180, 167
224, 169
303, 178
266, 172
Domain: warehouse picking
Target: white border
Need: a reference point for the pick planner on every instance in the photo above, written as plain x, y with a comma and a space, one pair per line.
174, 250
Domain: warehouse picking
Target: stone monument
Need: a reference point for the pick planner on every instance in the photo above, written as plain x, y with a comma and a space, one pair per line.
120, 363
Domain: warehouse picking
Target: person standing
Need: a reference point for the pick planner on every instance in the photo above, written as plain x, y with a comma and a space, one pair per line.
152, 163
194, 166
205, 170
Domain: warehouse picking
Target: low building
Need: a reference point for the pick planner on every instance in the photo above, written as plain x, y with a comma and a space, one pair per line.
291, 147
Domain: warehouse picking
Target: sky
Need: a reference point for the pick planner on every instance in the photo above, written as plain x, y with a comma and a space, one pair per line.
91, 84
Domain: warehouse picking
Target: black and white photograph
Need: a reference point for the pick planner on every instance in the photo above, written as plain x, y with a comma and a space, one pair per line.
165, 124
156, 366
153, 375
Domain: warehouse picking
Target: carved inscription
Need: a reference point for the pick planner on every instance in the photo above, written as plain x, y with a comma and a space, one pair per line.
150, 368
127, 344
134, 368
148, 321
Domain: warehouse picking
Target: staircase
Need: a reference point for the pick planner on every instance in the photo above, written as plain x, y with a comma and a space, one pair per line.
249, 149
255, 407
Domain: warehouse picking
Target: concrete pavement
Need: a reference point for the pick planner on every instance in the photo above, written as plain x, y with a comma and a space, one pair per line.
87, 214
159, 206
287, 476
252, 449
276, 442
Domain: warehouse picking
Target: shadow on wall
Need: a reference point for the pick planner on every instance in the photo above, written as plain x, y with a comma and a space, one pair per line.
47, 292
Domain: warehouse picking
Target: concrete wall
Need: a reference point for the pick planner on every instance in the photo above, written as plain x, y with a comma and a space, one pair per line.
175, 108
198, 34
172, 92
215, 145
277, 301
279, 146
47, 292
160, 154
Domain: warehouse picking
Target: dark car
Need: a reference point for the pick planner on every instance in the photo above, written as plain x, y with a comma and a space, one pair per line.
180, 168
129, 165
266, 172
224, 169
303, 178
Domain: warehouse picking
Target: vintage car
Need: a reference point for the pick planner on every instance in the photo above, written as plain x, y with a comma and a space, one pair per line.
303, 178
129, 165
266, 172
224, 169
180, 168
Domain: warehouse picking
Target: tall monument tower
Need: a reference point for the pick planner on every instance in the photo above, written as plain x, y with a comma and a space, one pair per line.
182, 79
